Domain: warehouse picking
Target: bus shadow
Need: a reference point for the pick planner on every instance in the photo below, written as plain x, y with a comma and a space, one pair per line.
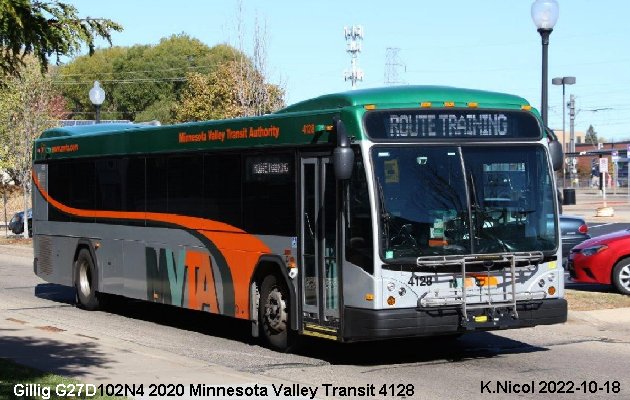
180, 318
476, 345
56, 293
162, 314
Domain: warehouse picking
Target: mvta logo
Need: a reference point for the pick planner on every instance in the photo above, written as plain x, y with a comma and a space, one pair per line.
185, 280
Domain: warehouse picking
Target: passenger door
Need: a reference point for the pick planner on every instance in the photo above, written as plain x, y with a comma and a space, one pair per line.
320, 278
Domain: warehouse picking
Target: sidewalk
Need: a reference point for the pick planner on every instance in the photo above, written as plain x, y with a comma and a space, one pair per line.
101, 360
587, 202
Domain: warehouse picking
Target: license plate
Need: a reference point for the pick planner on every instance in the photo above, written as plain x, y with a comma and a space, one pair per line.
476, 281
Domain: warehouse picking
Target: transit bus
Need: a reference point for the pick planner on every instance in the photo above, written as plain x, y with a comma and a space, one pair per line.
373, 214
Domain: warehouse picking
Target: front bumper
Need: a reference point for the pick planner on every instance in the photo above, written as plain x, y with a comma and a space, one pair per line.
583, 273
365, 324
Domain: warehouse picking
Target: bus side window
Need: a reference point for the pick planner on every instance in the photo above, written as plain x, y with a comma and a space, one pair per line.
359, 244
222, 188
269, 189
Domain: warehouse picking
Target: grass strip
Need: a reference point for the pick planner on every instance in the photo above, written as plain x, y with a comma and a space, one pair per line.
12, 374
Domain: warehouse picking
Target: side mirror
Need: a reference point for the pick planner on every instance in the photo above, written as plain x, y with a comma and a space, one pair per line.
343, 156
557, 155
555, 150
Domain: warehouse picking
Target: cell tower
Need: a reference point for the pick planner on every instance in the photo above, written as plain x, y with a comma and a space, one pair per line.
354, 36
392, 67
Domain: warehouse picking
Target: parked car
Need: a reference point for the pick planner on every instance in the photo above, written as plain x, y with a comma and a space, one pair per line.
573, 231
603, 259
16, 225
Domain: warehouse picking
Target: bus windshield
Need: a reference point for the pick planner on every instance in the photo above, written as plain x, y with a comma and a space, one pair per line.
457, 200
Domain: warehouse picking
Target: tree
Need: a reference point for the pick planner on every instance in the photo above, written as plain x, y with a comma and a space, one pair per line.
591, 136
28, 105
44, 28
222, 94
142, 82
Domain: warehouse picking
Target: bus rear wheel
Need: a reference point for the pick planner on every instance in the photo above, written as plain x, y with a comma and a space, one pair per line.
85, 281
273, 313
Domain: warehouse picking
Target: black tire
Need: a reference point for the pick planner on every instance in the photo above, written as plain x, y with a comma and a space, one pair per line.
274, 314
621, 276
86, 281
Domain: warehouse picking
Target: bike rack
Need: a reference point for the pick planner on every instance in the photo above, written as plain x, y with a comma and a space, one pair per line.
483, 299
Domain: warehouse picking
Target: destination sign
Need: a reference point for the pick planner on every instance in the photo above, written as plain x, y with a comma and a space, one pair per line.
269, 168
454, 124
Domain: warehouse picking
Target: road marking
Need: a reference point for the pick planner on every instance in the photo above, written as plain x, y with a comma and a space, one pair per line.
598, 226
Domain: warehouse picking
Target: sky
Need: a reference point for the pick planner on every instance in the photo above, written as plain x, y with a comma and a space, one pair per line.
485, 44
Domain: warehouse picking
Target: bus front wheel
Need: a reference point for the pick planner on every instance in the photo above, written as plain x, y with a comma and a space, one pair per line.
85, 280
273, 313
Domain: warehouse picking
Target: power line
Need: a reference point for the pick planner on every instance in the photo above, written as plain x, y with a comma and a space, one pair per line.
135, 80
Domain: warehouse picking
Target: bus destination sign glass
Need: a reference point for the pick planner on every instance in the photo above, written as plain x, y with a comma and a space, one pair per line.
451, 124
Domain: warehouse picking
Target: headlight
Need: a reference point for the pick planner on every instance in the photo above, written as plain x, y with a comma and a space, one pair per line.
589, 251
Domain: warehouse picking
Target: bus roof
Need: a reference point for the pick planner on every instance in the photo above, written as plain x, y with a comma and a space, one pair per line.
410, 96
293, 125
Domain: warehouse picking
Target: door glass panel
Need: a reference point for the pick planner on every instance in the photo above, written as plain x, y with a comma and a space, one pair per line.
330, 238
309, 236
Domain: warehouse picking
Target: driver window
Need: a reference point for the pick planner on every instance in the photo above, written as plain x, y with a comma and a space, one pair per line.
359, 244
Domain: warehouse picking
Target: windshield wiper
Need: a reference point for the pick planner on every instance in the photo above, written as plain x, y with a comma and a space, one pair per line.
473, 201
385, 215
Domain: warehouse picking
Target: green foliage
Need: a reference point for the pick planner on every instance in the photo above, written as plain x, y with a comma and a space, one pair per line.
45, 28
161, 110
74, 80
142, 82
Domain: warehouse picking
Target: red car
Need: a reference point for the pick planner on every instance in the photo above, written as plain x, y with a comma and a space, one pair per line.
603, 259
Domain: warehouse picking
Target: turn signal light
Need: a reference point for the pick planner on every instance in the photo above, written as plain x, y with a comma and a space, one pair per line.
481, 318
391, 300
369, 296
551, 290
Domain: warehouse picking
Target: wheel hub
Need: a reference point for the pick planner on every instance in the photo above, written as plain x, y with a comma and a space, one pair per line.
84, 279
275, 311
624, 277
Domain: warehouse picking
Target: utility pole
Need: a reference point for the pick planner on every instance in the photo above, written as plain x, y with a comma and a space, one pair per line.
354, 36
392, 65
572, 135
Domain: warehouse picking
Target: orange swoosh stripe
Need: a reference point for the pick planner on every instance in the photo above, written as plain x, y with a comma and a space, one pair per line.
241, 251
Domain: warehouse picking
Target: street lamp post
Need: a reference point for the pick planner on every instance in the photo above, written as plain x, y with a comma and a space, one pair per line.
565, 80
97, 96
545, 15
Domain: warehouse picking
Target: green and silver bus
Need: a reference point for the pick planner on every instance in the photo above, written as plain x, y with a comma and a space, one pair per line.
372, 214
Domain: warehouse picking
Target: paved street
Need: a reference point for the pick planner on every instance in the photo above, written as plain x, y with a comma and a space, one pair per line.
133, 342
